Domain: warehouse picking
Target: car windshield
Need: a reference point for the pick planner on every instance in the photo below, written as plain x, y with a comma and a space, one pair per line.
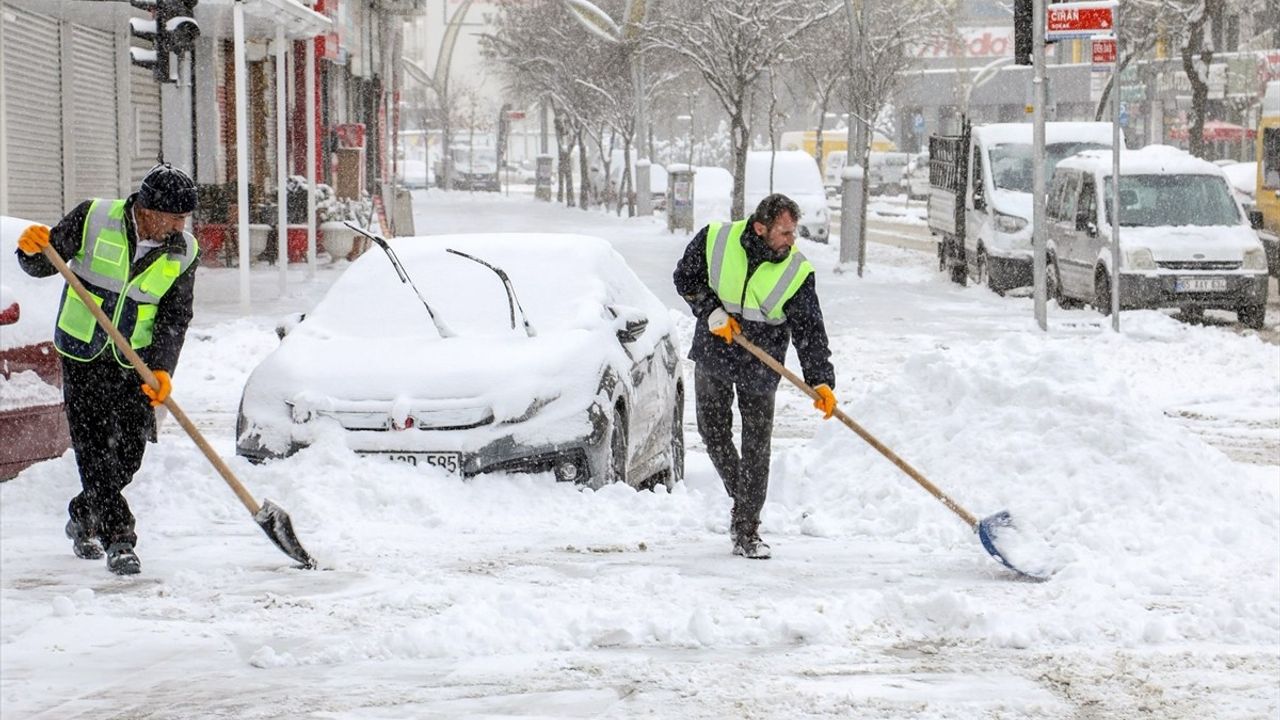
1162, 200
1011, 167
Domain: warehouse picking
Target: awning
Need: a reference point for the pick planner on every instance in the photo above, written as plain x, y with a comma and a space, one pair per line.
1216, 130
261, 18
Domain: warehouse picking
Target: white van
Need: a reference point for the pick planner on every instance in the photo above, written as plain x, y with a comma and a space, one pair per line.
1184, 240
992, 186
795, 174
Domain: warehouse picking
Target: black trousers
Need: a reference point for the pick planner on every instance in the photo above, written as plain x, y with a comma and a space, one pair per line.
110, 422
745, 475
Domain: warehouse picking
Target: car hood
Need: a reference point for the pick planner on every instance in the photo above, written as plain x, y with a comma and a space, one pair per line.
501, 376
1191, 243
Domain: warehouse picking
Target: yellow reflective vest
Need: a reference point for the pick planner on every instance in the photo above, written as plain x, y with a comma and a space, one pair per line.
763, 296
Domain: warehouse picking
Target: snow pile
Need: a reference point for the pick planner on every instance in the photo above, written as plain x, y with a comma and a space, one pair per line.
26, 389
37, 298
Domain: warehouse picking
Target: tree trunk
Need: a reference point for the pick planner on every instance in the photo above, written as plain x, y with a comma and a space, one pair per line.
584, 181
628, 191
1199, 86
561, 135
738, 136
446, 140
823, 103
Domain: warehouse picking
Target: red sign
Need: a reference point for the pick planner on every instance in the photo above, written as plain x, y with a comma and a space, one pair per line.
1074, 19
1104, 51
350, 135
515, 114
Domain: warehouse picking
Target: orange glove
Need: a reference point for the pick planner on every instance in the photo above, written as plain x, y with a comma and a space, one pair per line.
158, 396
34, 239
826, 401
722, 325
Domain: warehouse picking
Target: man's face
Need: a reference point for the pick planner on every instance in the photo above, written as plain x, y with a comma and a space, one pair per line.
156, 225
781, 235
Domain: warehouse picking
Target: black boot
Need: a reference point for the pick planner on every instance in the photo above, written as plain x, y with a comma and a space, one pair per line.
121, 559
751, 546
83, 544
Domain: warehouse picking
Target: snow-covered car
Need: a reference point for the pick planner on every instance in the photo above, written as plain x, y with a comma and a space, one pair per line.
32, 422
915, 181
1243, 177
887, 171
1184, 241
570, 368
414, 174
795, 174
474, 168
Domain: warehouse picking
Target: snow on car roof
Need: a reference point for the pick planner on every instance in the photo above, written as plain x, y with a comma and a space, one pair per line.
563, 282
1054, 132
37, 298
794, 172
1150, 160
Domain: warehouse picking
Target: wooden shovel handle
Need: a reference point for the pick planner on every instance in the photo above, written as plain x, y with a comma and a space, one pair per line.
150, 378
782, 370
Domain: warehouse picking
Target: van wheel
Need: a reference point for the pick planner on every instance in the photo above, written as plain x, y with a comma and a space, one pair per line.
1102, 293
1252, 316
983, 273
1053, 286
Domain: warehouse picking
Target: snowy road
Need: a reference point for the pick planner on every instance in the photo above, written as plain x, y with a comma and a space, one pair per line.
518, 597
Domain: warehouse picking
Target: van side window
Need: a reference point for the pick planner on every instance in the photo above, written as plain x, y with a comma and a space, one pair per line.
1054, 202
1087, 204
1069, 185
979, 195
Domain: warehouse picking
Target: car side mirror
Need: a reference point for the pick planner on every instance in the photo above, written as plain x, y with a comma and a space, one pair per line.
10, 315
287, 323
633, 321
1255, 219
979, 200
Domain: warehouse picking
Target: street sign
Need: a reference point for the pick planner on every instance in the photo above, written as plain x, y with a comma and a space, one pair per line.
515, 114
1079, 20
1104, 51
917, 123
1124, 114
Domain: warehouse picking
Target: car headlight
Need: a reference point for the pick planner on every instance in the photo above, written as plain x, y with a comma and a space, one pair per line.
1140, 259
1009, 223
1255, 259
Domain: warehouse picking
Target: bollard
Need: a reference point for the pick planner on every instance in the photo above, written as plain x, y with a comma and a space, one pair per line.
679, 197
851, 179
542, 178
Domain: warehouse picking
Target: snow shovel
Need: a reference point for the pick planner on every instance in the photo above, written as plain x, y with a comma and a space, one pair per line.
988, 529
273, 520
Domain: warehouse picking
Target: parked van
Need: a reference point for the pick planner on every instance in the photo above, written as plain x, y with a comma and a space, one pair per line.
980, 195
1267, 196
1184, 240
795, 174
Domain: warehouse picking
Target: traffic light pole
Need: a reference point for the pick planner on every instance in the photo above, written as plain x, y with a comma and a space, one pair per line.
1040, 99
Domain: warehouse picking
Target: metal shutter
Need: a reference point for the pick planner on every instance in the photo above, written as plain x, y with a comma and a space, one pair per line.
33, 115
145, 93
93, 165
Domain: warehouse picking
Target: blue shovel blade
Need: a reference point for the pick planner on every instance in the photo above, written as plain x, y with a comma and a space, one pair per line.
990, 531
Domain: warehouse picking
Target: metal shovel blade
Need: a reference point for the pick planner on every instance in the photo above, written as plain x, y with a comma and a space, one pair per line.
275, 522
995, 528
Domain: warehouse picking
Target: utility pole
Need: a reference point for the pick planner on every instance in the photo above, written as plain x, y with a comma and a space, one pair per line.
1039, 100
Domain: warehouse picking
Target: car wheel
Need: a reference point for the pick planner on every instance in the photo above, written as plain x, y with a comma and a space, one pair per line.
1252, 316
616, 472
983, 273
1102, 293
1053, 284
676, 473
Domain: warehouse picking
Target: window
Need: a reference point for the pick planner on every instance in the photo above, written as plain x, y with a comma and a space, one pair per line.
1062, 196
1011, 166
1165, 200
1271, 158
975, 176
1087, 202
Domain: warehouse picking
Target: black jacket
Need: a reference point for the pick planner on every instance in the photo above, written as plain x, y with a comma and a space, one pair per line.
804, 324
173, 315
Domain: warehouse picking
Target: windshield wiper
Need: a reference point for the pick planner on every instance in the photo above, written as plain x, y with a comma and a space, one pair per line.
512, 301
441, 327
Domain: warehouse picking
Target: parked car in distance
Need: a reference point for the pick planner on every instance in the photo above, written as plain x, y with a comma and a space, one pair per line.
887, 169
795, 174
572, 369
33, 425
415, 174
474, 168
915, 181
1184, 240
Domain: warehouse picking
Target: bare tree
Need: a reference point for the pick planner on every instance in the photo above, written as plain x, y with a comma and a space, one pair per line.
821, 67
730, 43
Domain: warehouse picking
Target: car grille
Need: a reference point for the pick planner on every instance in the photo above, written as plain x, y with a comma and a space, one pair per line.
1199, 264
378, 416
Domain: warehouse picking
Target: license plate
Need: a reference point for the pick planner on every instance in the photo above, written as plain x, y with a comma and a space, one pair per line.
450, 462
1200, 284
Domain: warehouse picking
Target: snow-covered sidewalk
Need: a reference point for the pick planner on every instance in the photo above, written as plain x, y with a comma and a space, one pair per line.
520, 597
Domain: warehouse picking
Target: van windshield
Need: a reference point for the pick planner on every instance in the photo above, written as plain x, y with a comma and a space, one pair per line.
1163, 200
1011, 166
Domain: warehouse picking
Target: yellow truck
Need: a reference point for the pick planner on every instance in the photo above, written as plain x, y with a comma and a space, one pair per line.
1268, 193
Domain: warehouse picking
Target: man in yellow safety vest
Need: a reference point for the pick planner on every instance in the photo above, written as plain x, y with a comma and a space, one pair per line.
139, 265
747, 277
